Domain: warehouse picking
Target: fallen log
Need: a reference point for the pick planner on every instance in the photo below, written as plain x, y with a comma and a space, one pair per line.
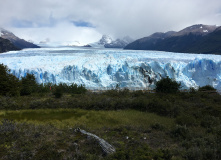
106, 147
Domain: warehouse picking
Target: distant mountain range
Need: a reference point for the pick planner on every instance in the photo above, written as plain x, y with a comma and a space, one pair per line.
8, 42
194, 39
107, 42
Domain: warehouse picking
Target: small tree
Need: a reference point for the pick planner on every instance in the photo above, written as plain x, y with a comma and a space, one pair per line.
167, 85
58, 92
29, 85
9, 84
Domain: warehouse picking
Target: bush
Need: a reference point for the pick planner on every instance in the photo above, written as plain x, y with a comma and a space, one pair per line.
75, 89
164, 108
187, 120
207, 88
167, 85
58, 93
210, 121
180, 132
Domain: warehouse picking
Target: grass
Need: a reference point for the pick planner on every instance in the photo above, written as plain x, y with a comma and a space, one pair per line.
87, 118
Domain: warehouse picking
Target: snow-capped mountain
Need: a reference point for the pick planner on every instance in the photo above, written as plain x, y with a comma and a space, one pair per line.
105, 39
19, 43
198, 29
119, 43
105, 68
107, 42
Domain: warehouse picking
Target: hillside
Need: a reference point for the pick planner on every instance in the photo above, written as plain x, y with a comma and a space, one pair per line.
18, 42
149, 43
6, 45
208, 44
193, 39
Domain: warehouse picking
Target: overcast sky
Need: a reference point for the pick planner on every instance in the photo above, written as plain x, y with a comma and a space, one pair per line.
87, 20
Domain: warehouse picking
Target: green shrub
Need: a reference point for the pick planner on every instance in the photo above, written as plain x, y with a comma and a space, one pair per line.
44, 88
187, 120
58, 93
194, 153
75, 89
164, 108
210, 121
207, 88
138, 93
167, 85
180, 132
192, 90
158, 126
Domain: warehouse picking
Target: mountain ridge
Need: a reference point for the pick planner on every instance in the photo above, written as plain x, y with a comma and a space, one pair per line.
107, 42
18, 42
187, 40
6, 45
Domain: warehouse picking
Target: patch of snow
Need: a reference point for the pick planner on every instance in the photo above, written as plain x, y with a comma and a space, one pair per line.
205, 31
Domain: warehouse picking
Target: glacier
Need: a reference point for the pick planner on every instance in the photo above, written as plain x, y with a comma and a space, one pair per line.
101, 69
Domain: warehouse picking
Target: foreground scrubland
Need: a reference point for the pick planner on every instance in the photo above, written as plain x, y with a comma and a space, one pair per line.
140, 125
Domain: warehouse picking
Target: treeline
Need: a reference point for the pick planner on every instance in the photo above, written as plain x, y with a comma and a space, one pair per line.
12, 86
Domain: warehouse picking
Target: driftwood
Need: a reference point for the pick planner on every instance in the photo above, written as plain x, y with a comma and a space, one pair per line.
106, 147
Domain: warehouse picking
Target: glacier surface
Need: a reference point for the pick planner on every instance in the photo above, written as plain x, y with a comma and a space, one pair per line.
105, 68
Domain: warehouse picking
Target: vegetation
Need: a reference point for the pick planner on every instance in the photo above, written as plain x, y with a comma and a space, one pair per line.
207, 88
12, 86
9, 84
29, 85
139, 124
167, 85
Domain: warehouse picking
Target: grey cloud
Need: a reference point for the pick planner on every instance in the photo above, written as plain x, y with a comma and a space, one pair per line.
118, 18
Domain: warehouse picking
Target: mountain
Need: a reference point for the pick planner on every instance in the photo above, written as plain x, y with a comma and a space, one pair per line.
149, 43
188, 40
119, 43
208, 44
6, 45
107, 42
198, 29
19, 43
105, 39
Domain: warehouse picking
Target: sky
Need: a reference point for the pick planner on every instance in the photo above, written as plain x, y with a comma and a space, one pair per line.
87, 20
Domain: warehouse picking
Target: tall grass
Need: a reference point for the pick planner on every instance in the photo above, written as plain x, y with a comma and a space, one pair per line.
87, 118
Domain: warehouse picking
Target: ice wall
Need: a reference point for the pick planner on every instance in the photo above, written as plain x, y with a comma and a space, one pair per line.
104, 69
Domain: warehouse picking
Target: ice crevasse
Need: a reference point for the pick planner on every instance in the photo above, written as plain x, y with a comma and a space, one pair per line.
104, 69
